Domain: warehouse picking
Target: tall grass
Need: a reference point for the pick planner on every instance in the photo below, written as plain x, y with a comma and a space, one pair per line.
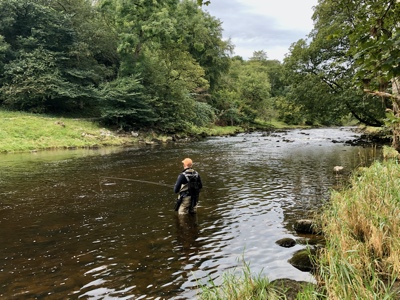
240, 287
362, 228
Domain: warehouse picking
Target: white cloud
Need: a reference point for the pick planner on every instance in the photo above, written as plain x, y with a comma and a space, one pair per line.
288, 14
268, 25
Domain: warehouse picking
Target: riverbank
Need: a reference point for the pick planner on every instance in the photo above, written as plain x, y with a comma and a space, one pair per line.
25, 132
331, 277
361, 225
361, 259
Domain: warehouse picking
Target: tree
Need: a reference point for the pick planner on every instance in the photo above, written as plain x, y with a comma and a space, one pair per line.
175, 49
328, 58
259, 55
255, 87
319, 79
244, 93
48, 67
95, 45
371, 31
4, 49
201, 35
139, 24
169, 76
124, 104
33, 82
276, 75
202, 2
375, 44
36, 37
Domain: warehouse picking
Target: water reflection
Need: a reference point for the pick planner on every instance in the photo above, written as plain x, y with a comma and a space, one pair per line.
69, 232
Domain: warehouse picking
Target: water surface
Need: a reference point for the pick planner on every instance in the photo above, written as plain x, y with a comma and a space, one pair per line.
68, 232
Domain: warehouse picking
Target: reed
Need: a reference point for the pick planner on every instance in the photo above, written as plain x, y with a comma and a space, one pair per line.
362, 228
240, 286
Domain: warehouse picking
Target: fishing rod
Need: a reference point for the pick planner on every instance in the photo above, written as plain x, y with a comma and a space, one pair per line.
142, 181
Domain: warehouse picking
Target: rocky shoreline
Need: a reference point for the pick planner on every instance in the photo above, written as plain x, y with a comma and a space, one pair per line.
303, 259
365, 139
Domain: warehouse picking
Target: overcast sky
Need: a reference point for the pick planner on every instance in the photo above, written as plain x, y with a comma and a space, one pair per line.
269, 25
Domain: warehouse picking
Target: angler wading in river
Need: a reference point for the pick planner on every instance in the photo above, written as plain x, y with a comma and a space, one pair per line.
188, 185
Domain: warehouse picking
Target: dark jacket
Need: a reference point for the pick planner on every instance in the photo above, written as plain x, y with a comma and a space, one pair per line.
182, 180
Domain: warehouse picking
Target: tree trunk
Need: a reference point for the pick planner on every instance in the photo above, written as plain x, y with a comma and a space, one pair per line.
395, 97
396, 112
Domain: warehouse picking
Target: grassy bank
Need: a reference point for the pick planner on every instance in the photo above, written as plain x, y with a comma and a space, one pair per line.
362, 228
20, 132
24, 132
361, 259
246, 286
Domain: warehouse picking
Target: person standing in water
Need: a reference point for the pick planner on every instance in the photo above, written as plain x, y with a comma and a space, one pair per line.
188, 185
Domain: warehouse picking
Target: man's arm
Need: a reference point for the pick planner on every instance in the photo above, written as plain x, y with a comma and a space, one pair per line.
178, 184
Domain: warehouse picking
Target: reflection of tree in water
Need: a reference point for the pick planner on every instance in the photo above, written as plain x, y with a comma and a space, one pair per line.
187, 234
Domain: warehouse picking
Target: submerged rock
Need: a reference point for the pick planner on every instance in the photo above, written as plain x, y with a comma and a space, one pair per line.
303, 260
286, 242
290, 288
305, 226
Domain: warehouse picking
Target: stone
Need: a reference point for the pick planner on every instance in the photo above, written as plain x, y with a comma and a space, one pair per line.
286, 242
305, 226
289, 287
302, 260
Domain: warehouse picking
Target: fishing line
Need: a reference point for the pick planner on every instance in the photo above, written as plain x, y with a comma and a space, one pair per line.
142, 181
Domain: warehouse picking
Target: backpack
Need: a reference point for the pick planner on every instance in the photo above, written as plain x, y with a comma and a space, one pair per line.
193, 183
193, 187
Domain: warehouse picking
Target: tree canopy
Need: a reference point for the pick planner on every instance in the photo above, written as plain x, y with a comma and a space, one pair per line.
353, 48
132, 63
138, 64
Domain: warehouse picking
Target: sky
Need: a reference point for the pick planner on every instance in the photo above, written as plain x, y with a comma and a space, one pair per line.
268, 25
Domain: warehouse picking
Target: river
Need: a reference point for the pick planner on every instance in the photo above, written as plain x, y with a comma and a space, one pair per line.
69, 230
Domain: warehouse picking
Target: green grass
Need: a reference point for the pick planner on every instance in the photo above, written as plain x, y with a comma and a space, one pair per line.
239, 287
24, 132
362, 228
21, 132
220, 131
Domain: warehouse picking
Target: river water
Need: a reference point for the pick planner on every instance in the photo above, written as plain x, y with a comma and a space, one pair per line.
68, 232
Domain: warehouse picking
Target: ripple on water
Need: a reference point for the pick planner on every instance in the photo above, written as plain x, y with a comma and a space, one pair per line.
67, 233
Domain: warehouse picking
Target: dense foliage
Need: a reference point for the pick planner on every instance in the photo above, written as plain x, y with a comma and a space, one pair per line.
351, 59
164, 65
130, 63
